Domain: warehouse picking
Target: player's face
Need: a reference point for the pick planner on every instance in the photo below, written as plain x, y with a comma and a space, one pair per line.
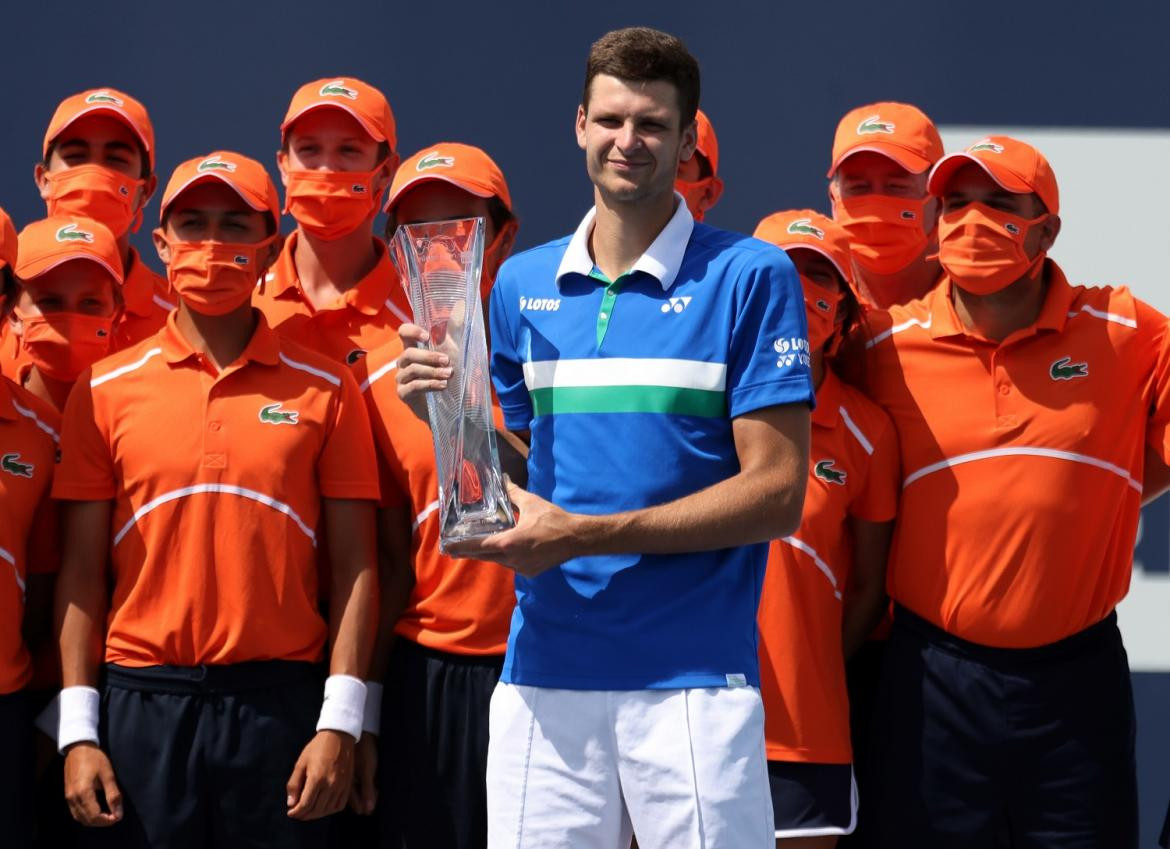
213, 211
632, 138
329, 140
971, 184
97, 140
869, 173
78, 286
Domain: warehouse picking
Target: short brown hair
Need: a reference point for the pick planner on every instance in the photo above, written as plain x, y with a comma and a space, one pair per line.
642, 54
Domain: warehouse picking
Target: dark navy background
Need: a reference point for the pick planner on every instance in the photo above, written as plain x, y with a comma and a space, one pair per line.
507, 75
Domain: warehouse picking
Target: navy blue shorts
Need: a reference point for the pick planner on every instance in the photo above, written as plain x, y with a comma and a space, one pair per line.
433, 792
16, 769
202, 754
976, 744
812, 800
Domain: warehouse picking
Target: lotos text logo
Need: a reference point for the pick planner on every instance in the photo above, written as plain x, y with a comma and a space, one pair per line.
338, 88
1066, 369
540, 304
71, 233
215, 163
792, 351
874, 124
825, 471
435, 160
804, 226
272, 414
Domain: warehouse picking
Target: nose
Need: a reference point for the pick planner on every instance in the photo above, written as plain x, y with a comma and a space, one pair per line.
627, 139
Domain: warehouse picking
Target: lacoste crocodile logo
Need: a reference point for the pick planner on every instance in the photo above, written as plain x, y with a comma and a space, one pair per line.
825, 471
804, 226
215, 163
874, 124
986, 144
104, 96
272, 414
11, 464
434, 160
71, 233
1065, 369
338, 88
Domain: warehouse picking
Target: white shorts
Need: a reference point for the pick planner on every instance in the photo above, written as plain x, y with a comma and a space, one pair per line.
586, 769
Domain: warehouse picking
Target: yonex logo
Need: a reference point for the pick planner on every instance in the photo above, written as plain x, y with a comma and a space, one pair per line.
434, 160
540, 304
272, 414
338, 88
825, 471
874, 124
792, 351
11, 464
104, 96
677, 305
985, 144
215, 163
70, 233
804, 226
1066, 369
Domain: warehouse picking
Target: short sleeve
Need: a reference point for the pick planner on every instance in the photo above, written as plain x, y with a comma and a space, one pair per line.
507, 365
86, 470
1158, 387
878, 499
768, 361
347, 465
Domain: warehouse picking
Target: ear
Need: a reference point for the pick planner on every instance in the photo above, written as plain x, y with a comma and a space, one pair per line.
712, 194
282, 166
930, 213
1049, 230
272, 253
160, 245
41, 178
581, 126
148, 190
15, 324
690, 140
507, 239
386, 173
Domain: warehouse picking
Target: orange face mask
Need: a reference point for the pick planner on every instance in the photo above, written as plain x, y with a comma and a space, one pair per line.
215, 278
694, 192
982, 249
94, 191
886, 233
331, 204
64, 344
821, 307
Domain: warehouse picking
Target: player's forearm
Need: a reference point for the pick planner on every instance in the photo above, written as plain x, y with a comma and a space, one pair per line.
862, 614
353, 602
395, 584
80, 613
749, 507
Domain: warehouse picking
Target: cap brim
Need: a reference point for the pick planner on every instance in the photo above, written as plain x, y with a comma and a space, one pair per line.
256, 203
949, 164
40, 266
908, 159
374, 133
846, 274
469, 186
113, 112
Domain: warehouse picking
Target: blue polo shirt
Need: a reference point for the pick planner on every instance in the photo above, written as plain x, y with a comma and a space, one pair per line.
629, 388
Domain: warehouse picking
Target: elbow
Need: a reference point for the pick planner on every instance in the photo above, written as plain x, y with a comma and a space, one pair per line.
785, 508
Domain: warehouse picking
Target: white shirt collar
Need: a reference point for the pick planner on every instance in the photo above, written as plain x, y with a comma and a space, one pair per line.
661, 261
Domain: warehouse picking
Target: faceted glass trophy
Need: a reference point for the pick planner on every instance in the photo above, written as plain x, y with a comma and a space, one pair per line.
440, 264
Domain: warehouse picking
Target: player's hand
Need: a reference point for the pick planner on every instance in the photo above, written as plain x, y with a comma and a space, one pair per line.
87, 771
363, 796
320, 781
545, 536
419, 370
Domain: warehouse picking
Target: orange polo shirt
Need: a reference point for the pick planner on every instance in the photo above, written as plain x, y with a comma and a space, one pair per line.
147, 300
28, 449
217, 481
853, 474
363, 319
459, 606
1022, 460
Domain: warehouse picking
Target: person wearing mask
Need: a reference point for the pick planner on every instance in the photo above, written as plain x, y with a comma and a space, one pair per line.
698, 177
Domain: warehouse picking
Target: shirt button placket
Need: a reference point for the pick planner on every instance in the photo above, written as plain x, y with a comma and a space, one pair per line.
214, 436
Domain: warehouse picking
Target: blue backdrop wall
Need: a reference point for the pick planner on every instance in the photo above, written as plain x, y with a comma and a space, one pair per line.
506, 76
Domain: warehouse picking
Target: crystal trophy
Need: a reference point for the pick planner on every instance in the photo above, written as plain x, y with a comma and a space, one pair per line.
440, 264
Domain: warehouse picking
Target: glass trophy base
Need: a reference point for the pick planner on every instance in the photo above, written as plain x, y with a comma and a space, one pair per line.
473, 511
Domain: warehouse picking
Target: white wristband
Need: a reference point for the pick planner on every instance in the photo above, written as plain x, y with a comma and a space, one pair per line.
79, 717
372, 718
344, 704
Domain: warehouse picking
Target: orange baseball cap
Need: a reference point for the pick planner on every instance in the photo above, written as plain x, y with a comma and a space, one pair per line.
897, 130
8, 241
708, 145
461, 165
1015, 165
47, 243
107, 101
247, 176
361, 100
804, 228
